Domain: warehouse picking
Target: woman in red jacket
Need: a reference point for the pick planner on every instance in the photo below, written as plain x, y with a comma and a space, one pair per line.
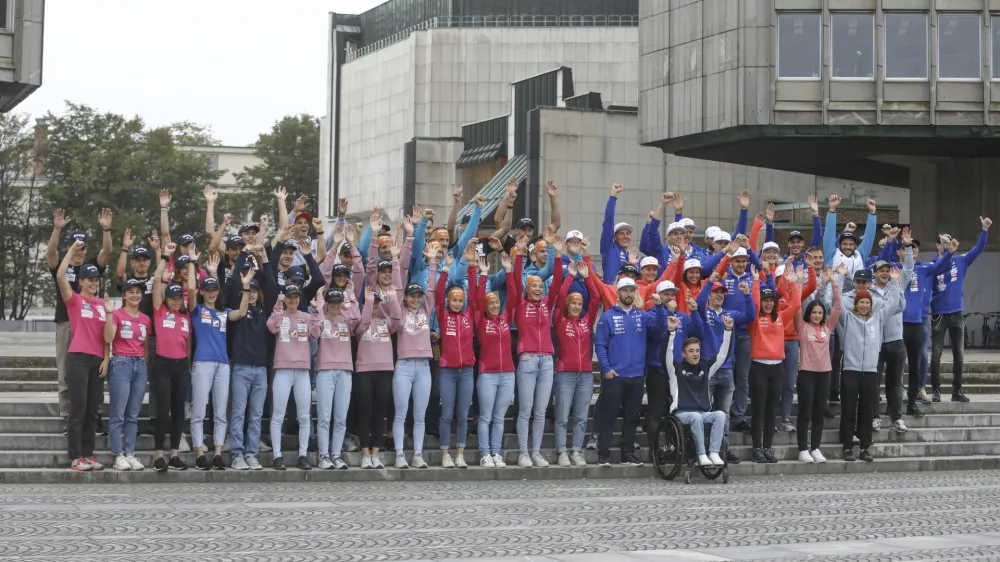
457, 360
574, 378
767, 352
495, 387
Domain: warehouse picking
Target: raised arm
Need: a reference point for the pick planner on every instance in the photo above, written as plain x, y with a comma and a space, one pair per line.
107, 246
608, 226
280, 195
830, 231
871, 227
456, 202
241, 312
473, 227
59, 220
216, 244
165, 215
65, 290
122, 264
440, 296
161, 266
274, 320
980, 243
555, 217
669, 360
720, 359
210, 197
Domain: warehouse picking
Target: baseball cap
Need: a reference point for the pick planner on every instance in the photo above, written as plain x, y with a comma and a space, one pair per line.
345, 248
295, 274
628, 269
77, 236
209, 283
174, 290
525, 223
625, 283
289, 245
181, 261
880, 264
185, 239
718, 286
466, 219
304, 215
130, 283
767, 293
234, 242
739, 253
254, 284
722, 236
88, 271
770, 246
687, 223
414, 289
140, 252
666, 286
675, 226
862, 275
574, 234
249, 226
849, 235
648, 260
383, 264
796, 234
622, 225
334, 295
340, 268
688, 264
290, 290
712, 232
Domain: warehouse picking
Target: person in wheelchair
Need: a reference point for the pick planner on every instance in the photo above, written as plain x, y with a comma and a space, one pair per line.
690, 389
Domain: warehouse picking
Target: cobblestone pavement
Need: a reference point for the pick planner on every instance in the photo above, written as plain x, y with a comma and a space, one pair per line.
918, 516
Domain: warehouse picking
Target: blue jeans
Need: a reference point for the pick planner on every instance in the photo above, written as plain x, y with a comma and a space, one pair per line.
496, 392
127, 385
209, 377
296, 382
333, 397
927, 349
411, 376
791, 367
741, 378
249, 386
456, 399
572, 390
721, 387
697, 421
534, 385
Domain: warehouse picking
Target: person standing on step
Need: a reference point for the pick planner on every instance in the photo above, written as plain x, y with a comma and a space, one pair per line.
615, 238
142, 271
947, 306
127, 330
172, 373
291, 371
372, 380
87, 358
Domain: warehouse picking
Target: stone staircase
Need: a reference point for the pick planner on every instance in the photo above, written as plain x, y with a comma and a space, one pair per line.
951, 436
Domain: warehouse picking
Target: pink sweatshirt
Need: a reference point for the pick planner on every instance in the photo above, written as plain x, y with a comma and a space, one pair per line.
291, 346
814, 341
334, 337
375, 339
414, 337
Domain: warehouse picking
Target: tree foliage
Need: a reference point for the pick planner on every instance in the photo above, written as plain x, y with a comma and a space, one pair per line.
289, 155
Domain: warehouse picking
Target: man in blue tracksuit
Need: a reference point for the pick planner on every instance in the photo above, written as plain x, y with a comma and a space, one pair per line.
947, 305
738, 273
621, 351
615, 238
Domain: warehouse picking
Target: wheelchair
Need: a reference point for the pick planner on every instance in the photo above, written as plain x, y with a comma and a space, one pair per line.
674, 450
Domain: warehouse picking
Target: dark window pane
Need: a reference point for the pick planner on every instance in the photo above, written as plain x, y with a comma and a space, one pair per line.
958, 46
905, 45
853, 39
996, 46
798, 45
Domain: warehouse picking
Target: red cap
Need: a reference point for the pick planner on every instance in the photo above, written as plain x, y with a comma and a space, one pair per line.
717, 286
308, 217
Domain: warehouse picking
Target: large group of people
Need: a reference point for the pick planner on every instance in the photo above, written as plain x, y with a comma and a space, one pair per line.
395, 337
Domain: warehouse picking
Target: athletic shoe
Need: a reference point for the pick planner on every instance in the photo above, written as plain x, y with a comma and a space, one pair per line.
66, 431
914, 410
80, 465
899, 427
401, 461
184, 447
804, 456
418, 461
253, 462
539, 460
366, 461
834, 398
94, 465
350, 444
731, 458
716, 459
486, 461
176, 463
264, 447
703, 460
866, 456
959, 397
460, 462
377, 462
758, 456
339, 464
446, 461
630, 459
303, 464
121, 463
936, 396
604, 459
577, 458
635, 446
876, 424
591, 443
741, 426
239, 463
786, 426
817, 456
855, 439
849, 455
524, 461
564, 459
498, 461
217, 463
769, 455
278, 464
922, 396
160, 464
324, 462
134, 462
201, 463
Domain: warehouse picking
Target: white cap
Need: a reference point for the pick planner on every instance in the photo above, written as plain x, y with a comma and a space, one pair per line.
574, 234
648, 260
770, 246
687, 223
675, 226
780, 271
626, 282
622, 225
712, 232
740, 252
722, 236
666, 286
691, 263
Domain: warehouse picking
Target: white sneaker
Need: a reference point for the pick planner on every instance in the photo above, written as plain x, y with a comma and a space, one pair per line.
704, 461
578, 459
524, 461
539, 460
922, 396
486, 461
876, 424
134, 463
401, 461
498, 461
804, 456
185, 447
418, 461
716, 459
899, 427
366, 461
377, 462
121, 463
446, 461
460, 462
239, 463
263, 447
564, 459
817, 456
324, 462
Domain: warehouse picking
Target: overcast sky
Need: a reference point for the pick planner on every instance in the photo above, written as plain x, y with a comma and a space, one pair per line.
234, 65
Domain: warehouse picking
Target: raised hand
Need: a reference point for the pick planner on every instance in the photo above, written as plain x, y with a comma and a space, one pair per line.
549, 234
633, 256
871, 206
209, 193
195, 256
305, 248
226, 219
754, 273
317, 224
395, 251
342, 207
154, 242
104, 219
675, 253
953, 244
678, 202
833, 201
841, 270
301, 203
905, 236
895, 274
456, 195
375, 220
744, 199
850, 227
164, 197
428, 214
495, 243
170, 248
557, 243
714, 277
827, 276
743, 241
478, 200
471, 251
769, 213
765, 267
281, 193
582, 270
893, 233
59, 219
349, 233
585, 244
522, 243
265, 224
128, 239
212, 266
512, 188
484, 268
650, 217
692, 304
814, 205
728, 322
407, 225
655, 298
431, 253
109, 305
667, 197
506, 262
551, 189
673, 322
247, 276
285, 234
616, 189
886, 229
986, 222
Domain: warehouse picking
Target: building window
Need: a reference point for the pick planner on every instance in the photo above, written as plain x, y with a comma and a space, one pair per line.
958, 46
5, 14
995, 20
905, 46
799, 41
852, 37
213, 161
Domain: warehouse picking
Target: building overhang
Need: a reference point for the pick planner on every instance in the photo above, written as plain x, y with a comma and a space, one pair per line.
850, 152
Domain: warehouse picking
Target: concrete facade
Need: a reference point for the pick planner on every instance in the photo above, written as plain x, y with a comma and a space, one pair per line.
21, 33
231, 160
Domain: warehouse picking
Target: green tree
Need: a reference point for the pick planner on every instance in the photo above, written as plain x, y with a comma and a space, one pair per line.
22, 229
289, 155
96, 160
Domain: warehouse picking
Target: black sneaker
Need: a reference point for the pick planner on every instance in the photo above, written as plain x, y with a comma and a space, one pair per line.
914, 410
279, 463
758, 456
866, 456
160, 464
936, 396
849, 455
959, 397
631, 460
304, 464
741, 425
731, 458
66, 430
202, 463
177, 464
604, 459
769, 456
217, 463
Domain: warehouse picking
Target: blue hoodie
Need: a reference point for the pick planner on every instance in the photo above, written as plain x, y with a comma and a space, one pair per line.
715, 328
734, 298
626, 354
613, 256
650, 244
691, 327
418, 273
918, 290
817, 240
949, 287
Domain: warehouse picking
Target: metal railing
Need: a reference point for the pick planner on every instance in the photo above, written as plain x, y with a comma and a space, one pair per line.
495, 21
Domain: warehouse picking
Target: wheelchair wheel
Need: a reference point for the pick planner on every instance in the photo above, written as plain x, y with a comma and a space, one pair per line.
668, 448
725, 475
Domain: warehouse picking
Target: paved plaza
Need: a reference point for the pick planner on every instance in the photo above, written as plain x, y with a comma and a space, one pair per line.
913, 516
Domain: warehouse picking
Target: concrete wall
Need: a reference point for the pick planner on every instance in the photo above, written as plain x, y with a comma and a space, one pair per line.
436, 176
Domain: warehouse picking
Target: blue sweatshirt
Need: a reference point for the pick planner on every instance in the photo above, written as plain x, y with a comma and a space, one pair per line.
209, 327
613, 256
734, 298
918, 291
949, 287
651, 245
714, 326
621, 339
656, 336
817, 240
418, 271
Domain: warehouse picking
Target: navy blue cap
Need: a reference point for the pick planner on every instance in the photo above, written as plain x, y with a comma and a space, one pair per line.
133, 283
181, 261
466, 219
796, 234
88, 271
77, 236
289, 245
767, 293
414, 288
344, 248
209, 283
295, 274
234, 242
292, 290
175, 290
140, 252
627, 269
383, 264
249, 226
525, 223
334, 295
254, 284
863, 275
850, 235
341, 268
185, 239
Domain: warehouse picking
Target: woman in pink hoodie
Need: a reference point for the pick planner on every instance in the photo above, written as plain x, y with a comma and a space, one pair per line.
291, 371
373, 374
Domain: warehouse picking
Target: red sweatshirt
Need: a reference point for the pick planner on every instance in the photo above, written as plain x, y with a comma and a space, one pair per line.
684, 291
534, 318
456, 330
791, 334
573, 334
494, 333
767, 337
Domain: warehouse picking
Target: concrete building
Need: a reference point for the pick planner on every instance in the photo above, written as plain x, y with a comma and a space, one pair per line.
231, 160
896, 92
21, 33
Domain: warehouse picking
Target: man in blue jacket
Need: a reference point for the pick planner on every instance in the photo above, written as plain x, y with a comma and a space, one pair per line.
621, 351
615, 238
947, 316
